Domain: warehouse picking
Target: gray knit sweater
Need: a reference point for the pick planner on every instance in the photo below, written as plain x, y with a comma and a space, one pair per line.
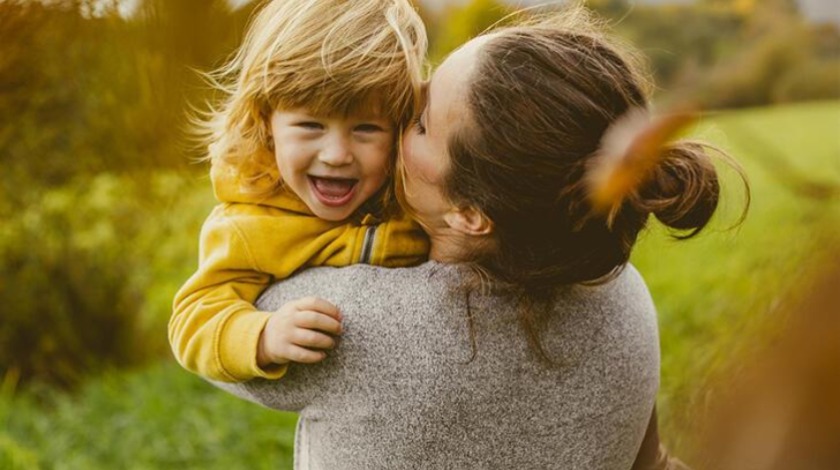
405, 389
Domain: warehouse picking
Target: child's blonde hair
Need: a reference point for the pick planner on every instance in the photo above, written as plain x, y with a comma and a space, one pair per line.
332, 57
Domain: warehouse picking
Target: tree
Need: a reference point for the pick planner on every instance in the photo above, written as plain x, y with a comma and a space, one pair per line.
460, 24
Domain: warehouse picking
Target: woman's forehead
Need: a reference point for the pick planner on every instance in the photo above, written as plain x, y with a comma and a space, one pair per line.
461, 61
446, 92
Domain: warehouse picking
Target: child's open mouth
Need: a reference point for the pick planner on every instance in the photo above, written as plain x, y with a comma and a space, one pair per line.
333, 192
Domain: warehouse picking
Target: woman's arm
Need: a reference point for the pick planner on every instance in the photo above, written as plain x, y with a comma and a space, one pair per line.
653, 455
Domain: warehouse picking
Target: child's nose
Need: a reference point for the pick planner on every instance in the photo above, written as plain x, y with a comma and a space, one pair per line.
337, 152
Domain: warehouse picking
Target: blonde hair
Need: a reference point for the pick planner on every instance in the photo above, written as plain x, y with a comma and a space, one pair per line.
333, 57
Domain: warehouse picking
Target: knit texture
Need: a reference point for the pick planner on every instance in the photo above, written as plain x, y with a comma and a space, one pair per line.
409, 386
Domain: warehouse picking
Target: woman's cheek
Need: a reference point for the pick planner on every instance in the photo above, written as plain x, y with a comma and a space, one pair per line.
418, 162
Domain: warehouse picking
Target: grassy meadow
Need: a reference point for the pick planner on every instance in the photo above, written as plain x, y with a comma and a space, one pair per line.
722, 295
719, 296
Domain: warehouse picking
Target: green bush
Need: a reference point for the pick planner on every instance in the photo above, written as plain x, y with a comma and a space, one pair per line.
459, 24
731, 54
674, 47
82, 93
751, 78
88, 271
15, 456
813, 81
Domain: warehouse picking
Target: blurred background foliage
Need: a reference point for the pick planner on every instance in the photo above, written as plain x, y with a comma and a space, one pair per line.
94, 157
101, 201
722, 53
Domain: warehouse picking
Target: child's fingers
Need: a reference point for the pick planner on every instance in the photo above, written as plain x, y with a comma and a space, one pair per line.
312, 339
296, 353
318, 305
317, 321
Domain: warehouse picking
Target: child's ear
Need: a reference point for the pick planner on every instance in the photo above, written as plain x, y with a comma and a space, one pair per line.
469, 220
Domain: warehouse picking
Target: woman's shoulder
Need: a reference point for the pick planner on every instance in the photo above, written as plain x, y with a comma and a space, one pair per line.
626, 292
366, 281
620, 311
610, 326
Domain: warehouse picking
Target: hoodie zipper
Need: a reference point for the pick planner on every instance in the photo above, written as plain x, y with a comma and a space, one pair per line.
367, 244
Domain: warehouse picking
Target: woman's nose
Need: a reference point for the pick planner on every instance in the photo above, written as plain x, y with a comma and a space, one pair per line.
336, 151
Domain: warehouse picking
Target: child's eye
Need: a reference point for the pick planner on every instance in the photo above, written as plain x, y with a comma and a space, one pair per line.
310, 125
368, 128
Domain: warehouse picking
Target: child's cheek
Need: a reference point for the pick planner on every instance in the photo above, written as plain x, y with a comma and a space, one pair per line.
383, 161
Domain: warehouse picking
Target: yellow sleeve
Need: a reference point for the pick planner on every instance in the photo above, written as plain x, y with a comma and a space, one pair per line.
400, 242
214, 330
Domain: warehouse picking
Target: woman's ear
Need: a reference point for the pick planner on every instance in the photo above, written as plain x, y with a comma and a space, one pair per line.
469, 221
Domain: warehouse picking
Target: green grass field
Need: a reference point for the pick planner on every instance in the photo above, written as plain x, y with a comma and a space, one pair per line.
718, 296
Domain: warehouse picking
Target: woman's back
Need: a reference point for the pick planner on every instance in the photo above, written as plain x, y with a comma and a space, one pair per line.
402, 390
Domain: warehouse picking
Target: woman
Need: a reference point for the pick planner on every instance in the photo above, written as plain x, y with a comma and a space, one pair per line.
501, 352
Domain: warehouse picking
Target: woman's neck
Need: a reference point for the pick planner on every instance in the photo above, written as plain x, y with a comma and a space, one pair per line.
445, 253
450, 246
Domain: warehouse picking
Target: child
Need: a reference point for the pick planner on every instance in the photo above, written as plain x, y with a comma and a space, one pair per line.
301, 154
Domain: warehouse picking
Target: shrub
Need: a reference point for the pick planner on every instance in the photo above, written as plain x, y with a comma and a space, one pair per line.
459, 24
87, 273
15, 456
750, 78
816, 80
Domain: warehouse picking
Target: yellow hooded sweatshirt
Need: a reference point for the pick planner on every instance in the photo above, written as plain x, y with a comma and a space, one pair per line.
247, 244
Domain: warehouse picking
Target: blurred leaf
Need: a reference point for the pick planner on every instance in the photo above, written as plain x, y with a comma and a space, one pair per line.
630, 149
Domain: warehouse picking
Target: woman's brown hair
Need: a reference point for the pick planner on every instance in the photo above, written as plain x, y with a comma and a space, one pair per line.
539, 103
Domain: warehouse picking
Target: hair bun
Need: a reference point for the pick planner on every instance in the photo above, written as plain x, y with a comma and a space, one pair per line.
631, 153
682, 190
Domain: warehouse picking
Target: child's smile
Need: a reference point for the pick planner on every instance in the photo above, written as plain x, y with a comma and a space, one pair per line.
334, 164
333, 192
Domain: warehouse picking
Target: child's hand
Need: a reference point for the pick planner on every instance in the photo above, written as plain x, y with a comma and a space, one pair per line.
299, 332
